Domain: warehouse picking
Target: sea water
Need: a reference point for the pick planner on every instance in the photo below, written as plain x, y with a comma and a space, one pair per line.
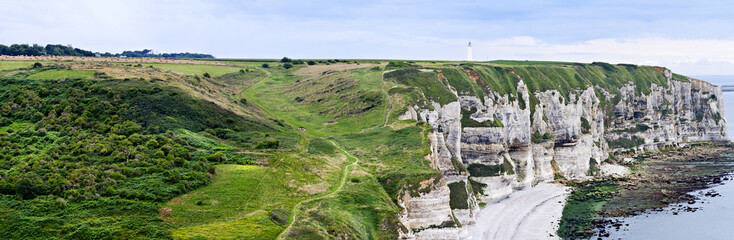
714, 215
712, 219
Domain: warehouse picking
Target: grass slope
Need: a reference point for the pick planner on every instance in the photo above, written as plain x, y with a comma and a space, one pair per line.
337, 103
61, 74
9, 65
195, 69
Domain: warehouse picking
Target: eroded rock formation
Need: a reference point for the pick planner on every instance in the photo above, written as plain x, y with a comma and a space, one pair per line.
504, 142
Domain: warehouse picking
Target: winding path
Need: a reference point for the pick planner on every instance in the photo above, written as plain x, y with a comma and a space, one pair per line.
345, 175
528, 214
389, 100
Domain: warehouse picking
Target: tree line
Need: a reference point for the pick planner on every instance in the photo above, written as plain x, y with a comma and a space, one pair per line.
149, 53
38, 50
61, 50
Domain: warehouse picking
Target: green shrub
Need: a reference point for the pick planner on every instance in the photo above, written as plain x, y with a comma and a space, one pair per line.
641, 127
217, 157
477, 187
626, 143
593, 167
482, 170
29, 186
585, 126
536, 137
458, 197
268, 144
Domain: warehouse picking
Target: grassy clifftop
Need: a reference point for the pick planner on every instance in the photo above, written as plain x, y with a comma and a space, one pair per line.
503, 76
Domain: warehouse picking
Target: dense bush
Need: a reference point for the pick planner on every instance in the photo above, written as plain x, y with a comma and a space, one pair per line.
81, 144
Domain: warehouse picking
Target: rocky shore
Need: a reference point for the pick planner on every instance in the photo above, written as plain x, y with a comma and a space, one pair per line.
667, 177
657, 180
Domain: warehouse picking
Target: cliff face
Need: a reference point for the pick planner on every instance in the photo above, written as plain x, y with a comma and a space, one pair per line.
489, 141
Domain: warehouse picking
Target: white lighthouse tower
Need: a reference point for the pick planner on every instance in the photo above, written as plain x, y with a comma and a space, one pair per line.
468, 52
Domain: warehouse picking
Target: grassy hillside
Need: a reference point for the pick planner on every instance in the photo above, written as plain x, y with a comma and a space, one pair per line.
192, 69
89, 158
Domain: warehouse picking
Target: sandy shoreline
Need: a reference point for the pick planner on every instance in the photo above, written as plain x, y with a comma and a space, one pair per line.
532, 213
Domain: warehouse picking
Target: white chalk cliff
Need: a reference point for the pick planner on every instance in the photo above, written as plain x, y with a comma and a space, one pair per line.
564, 136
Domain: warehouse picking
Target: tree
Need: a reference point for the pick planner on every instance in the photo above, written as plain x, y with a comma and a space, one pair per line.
37, 65
287, 66
286, 59
265, 65
311, 62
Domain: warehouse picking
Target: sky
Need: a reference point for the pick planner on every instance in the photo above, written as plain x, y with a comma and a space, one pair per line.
689, 37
